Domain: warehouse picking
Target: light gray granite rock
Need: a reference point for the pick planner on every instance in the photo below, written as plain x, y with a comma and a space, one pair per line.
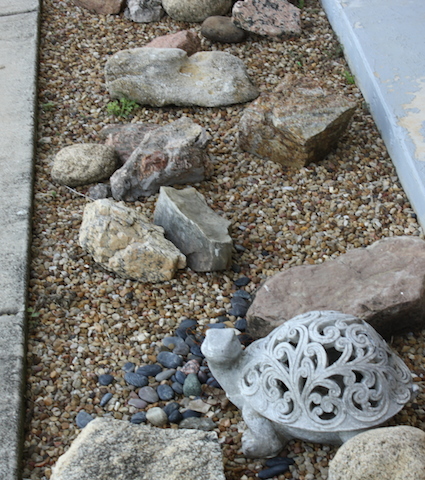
85, 163
198, 232
123, 241
167, 76
144, 11
321, 377
169, 155
382, 284
195, 10
391, 453
119, 450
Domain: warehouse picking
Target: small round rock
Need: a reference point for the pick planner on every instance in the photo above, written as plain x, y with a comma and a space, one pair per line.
83, 418
106, 379
105, 399
165, 392
139, 417
156, 416
192, 386
136, 380
169, 359
148, 394
221, 29
149, 370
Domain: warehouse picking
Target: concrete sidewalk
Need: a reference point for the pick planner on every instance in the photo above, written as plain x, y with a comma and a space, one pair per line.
19, 21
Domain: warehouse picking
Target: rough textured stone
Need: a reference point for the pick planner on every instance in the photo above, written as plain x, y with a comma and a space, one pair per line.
123, 241
186, 40
391, 453
270, 18
104, 7
82, 164
322, 377
201, 234
109, 448
382, 284
298, 124
144, 11
195, 10
126, 138
173, 154
167, 76
222, 29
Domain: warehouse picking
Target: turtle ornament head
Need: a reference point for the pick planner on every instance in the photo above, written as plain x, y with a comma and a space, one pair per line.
322, 377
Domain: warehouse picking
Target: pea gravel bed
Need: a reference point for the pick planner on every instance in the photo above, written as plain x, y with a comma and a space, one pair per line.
85, 322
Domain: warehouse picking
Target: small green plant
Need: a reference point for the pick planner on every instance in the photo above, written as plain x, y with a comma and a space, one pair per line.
122, 107
301, 4
47, 107
33, 313
349, 77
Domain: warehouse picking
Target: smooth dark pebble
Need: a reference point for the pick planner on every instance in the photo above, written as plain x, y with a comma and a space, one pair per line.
199, 359
186, 324
139, 417
172, 341
181, 349
177, 387
241, 324
129, 367
83, 418
243, 294
245, 339
239, 248
165, 392
191, 340
191, 413
222, 318
216, 325
196, 350
202, 377
273, 471
105, 379
242, 281
165, 374
170, 407
148, 394
169, 360
212, 382
136, 380
149, 370
236, 268
105, 399
180, 376
175, 417
271, 462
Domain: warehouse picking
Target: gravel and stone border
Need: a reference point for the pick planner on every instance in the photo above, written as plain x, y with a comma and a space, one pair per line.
85, 322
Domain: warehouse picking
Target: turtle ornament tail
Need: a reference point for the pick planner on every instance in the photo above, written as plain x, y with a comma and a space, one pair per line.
322, 377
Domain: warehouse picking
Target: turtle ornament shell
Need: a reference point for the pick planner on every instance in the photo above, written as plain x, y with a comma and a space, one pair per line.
322, 376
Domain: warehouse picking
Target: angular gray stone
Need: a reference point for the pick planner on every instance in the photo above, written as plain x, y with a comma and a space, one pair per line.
222, 29
123, 241
109, 448
298, 124
167, 76
382, 284
144, 11
126, 138
170, 155
202, 235
270, 18
81, 164
391, 453
195, 10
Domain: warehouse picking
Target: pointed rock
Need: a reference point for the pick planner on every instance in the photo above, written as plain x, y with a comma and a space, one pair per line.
194, 228
123, 241
167, 76
144, 11
172, 154
298, 124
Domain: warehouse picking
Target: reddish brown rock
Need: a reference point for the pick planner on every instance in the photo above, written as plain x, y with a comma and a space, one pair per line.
172, 154
299, 123
126, 138
186, 40
382, 284
269, 18
104, 7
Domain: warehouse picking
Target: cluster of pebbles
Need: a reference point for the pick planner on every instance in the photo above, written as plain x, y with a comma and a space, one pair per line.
87, 325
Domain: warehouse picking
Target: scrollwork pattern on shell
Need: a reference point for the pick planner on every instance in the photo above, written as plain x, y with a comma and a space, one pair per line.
332, 369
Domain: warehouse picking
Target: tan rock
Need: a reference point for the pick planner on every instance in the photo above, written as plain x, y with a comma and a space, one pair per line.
297, 124
382, 284
186, 40
195, 10
104, 7
123, 241
392, 453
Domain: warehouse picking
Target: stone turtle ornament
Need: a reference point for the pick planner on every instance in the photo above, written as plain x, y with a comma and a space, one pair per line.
322, 376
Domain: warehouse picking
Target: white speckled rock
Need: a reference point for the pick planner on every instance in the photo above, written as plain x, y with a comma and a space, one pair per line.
195, 10
391, 453
167, 76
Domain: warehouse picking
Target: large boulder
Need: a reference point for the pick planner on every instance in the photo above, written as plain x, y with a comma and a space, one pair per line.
382, 284
103, 7
297, 124
270, 18
186, 40
172, 154
81, 164
195, 10
391, 453
144, 11
198, 232
167, 76
119, 450
123, 241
